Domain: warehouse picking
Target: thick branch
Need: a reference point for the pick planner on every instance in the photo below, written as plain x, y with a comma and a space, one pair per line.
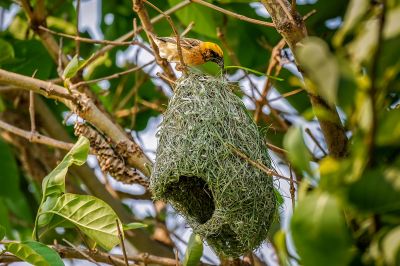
292, 28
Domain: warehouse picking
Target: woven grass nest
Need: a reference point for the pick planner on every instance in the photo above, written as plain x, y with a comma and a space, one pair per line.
227, 201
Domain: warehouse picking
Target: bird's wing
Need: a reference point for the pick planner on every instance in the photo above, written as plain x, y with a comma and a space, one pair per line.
186, 43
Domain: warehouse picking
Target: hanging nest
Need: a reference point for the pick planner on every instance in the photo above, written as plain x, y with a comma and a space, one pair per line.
226, 200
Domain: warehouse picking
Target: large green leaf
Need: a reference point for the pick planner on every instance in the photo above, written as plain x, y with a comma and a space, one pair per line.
356, 9
388, 133
377, 191
298, 153
206, 19
92, 216
9, 172
281, 247
2, 232
53, 185
319, 231
35, 253
194, 251
391, 247
10, 184
321, 67
7, 51
28, 55
133, 226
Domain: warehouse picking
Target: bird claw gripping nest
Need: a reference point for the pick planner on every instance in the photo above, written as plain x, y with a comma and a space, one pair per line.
226, 200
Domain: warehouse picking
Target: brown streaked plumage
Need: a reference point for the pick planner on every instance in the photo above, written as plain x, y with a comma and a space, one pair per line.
194, 52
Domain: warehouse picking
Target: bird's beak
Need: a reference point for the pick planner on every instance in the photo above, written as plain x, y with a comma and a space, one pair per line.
219, 61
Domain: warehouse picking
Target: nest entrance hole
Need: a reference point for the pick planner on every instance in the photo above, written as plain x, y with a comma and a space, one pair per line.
194, 196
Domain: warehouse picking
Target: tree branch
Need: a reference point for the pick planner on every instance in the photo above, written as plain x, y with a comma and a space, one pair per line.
233, 14
293, 30
139, 8
36, 138
98, 256
81, 104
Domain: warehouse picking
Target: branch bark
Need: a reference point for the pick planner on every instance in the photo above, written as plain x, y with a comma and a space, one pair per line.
291, 26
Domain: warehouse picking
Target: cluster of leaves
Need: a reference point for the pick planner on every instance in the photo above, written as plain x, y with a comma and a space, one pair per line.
61, 209
349, 208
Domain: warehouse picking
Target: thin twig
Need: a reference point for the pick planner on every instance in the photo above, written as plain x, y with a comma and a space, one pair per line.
287, 12
138, 7
273, 64
77, 42
188, 28
121, 239
259, 165
235, 60
309, 14
285, 95
36, 138
32, 113
160, 75
235, 15
292, 188
276, 149
113, 76
176, 257
373, 89
133, 33
81, 252
87, 40
177, 36
293, 6
308, 131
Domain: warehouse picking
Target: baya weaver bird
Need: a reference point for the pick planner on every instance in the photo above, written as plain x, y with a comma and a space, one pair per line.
194, 52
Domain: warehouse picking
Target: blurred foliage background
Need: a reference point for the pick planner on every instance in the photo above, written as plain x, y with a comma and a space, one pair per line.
339, 210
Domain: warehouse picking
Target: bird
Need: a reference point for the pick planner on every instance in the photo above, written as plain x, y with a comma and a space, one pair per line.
194, 52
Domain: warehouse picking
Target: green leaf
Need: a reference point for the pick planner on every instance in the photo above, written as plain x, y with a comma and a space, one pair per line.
392, 28
254, 71
35, 253
10, 184
298, 153
391, 247
46, 252
92, 216
73, 67
204, 17
321, 67
319, 231
53, 184
28, 55
377, 191
9, 172
355, 11
388, 132
280, 244
2, 232
132, 226
194, 251
7, 51
278, 196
